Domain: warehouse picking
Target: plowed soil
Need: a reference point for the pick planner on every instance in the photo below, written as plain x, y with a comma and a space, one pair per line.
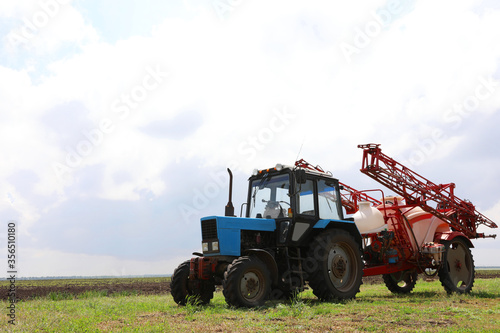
139, 288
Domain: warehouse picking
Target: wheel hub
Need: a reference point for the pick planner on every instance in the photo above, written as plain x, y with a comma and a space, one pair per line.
458, 265
250, 285
339, 267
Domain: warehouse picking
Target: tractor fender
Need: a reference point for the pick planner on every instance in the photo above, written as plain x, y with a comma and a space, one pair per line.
449, 236
346, 225
268, 259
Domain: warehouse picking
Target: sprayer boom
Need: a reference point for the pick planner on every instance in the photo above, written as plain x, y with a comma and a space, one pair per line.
438, 200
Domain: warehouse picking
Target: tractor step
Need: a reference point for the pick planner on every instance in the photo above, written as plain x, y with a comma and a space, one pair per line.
300, 271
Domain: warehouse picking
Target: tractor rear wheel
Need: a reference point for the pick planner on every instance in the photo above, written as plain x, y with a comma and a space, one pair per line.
184, 290
401, 282
334, 266
247, 282
457, 272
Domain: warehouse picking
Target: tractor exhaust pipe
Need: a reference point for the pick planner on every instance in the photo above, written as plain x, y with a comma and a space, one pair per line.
229, 206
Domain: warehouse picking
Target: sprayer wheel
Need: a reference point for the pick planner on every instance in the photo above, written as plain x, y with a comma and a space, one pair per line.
401, 282
457, 273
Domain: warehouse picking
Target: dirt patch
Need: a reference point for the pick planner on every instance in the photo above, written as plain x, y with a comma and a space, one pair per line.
487, 275
139, 288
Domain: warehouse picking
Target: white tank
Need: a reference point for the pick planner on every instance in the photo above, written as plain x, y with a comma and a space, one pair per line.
368, 219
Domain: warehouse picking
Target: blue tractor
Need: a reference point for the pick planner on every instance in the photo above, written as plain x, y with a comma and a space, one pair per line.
293, 235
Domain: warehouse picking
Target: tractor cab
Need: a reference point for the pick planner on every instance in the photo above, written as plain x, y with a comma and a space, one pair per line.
298, 199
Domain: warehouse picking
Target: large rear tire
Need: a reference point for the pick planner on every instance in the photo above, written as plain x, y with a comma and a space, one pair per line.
184, 290
401, 282
334, 266
457, 273
247, 282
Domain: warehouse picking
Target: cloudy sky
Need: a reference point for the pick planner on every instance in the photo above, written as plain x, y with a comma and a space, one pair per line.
118, 119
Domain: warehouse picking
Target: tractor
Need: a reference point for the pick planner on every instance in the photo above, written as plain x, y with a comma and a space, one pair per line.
303, 228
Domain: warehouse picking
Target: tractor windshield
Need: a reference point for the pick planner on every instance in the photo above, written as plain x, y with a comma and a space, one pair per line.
270, 197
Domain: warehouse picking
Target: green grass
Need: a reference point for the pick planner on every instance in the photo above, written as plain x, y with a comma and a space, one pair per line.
427, 309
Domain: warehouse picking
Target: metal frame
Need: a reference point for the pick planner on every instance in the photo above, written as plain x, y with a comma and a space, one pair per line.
417, 190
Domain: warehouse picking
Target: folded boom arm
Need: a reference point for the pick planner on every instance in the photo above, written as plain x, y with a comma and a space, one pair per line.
460, 214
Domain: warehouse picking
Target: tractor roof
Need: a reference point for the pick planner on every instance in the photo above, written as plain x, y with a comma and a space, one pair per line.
312, 171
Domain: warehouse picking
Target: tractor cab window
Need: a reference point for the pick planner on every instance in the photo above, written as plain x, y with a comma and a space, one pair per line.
305, 202
270, 197
327, 201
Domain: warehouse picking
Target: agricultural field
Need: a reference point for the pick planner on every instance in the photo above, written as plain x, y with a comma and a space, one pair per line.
145, 305
72, 288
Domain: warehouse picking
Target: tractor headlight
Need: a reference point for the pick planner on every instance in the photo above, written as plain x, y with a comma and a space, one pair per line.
204, 246
215, 246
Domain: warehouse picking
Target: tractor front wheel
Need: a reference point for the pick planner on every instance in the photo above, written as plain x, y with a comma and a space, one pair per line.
247, 282
185, 290
457, 272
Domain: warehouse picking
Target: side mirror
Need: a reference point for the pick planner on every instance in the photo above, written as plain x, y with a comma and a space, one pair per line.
300, 176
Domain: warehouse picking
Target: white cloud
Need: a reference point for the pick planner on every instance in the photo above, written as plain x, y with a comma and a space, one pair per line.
44, 27
37, 262
493, 214
229, 77
17, 8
